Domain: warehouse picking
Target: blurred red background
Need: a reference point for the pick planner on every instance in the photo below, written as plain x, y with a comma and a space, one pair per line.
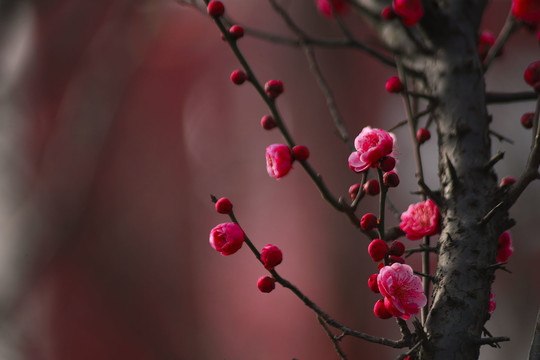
119, 121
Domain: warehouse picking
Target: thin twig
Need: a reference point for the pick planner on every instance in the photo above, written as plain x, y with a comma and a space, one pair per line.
510, 25
495, 159
332, 338
492, 340
501, 137
501, 98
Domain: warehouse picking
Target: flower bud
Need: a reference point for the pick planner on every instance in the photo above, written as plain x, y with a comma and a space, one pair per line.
527, 120
394, 85
391, 179
273, 88
507, 181
354, 190
485, 42
380, 310
377, 249
227, 238
396, 248
268, 122
532, 75
422, 135
372, 283
372, 187
395, 259
278, 160
238, 77
301, 153
410, 11
236, 32
368, 222
271, 256
223, 206
388, 13
387, 163
215, 9
266, 284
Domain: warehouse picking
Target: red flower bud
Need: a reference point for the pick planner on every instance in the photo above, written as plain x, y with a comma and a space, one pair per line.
266, 284
354, 190
238, 77
391, 179
368, 222
387, 163
526, 10
380, 310
236, 32
422, 135
227, 238
215, 9
410, 11
372, 283
396, 248
394, 85
388, 13
507, 181
271, 256
273, 88
268, 122
301, 153
372, 187
223, 206
532, 75
485, 42
395, 259
527, 120
377, 249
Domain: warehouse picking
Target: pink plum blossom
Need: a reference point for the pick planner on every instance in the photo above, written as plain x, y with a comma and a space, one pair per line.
402, 290
371, 146
505, 247
278, 160
421, 219
227, 238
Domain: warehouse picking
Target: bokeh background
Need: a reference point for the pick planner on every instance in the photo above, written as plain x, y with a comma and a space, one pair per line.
118, 120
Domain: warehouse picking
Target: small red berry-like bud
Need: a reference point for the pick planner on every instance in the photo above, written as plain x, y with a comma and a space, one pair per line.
527, 120
215, 9
268, 122
372, 187
422, 135
485, 42
396, 248
395, 259
238, 77
380, 310
388, 13
273, 88
387, 163
301, 153
236, 32
394, 85
271, 256
380, 266
377, 249
372, 283
368, 222
223, 206
507, 181
532, 75
410, 11
266, 284
354, 190
391, 179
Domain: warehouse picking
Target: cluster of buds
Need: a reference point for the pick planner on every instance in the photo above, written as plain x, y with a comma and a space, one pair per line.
279, 158
227, 239
378, 250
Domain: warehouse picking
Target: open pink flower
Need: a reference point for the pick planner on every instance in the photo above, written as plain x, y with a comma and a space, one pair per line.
421, 219
371, 146
402, 290
227, 238
526, 10
278, 160
505, 247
